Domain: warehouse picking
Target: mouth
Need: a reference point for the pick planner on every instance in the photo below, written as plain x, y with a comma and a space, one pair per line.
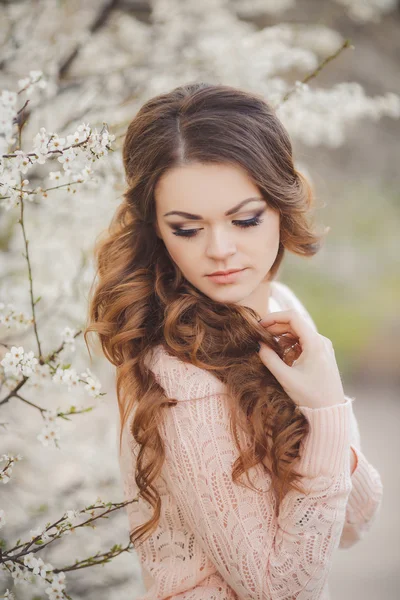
224, 272
227, 277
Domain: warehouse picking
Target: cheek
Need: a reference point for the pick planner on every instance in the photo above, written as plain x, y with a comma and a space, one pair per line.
183, 253
272, 231
265, 237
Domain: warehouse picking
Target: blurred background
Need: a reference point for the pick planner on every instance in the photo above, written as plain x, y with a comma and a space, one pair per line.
101, 61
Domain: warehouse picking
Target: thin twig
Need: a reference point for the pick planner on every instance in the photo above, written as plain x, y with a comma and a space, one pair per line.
26, 242
346, 44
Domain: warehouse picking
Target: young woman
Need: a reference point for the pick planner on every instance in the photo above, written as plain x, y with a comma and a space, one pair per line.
244, 465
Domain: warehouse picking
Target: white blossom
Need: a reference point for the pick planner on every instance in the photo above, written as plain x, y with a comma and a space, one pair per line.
12, 360
55, 175
67, 158
49, 435
42, 376
10, 317
28, 363
22, 161
56, 143
8, 111
39, 532
57, 586
31, 83
72, 517
250, 8
20, 576
68, 338
93, 385
68, 377
368, 10
9, 99
321, 116
35, 532
30, 560
54, 595
37, 565
40, 144
7, 184
50, 416
6, 472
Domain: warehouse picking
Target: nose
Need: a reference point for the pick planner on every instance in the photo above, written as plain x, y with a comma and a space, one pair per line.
220, 245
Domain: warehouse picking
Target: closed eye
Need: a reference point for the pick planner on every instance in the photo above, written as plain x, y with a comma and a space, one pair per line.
190, 233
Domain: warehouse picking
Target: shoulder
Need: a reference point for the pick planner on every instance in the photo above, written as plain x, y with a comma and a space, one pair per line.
288, 299
181, 380
286, 295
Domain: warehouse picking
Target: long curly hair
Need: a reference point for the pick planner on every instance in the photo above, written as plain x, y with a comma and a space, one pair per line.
140, 298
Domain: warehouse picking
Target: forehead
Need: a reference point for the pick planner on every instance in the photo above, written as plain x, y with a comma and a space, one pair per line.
202, 187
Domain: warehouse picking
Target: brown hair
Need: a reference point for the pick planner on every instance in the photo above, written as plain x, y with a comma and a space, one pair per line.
141, 298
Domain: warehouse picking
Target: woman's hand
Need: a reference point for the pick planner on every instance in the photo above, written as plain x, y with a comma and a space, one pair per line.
313, 379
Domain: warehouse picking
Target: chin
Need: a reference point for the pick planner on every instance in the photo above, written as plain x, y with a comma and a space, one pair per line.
228, 296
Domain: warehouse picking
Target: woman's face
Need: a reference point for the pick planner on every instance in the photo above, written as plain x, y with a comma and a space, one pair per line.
209, 240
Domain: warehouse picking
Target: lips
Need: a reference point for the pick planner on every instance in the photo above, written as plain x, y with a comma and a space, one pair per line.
225, 272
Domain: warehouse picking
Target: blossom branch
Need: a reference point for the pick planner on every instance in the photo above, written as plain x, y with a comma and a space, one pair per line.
64, 526
97, 559
26, 242
61, 414
346, 44
50, 358
43, 191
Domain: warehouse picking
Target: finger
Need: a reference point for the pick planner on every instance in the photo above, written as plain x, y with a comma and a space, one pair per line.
290, 337
295, 323
280, 329
273, 362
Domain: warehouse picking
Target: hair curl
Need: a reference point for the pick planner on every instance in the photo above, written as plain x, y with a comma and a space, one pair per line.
141, 298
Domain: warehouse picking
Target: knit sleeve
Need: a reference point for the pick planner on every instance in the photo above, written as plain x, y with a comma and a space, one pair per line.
365, 500
259, 555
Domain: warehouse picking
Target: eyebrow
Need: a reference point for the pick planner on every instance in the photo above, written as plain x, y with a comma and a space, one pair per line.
231, 211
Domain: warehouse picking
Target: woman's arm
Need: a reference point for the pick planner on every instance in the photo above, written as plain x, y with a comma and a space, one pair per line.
367, 490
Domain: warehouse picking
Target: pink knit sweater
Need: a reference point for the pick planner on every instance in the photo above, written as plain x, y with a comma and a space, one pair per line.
217, 540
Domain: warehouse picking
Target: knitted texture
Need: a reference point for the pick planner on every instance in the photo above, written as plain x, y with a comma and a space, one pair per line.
217, 540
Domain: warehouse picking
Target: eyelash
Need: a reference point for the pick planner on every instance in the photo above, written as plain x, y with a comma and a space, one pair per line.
191, 233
